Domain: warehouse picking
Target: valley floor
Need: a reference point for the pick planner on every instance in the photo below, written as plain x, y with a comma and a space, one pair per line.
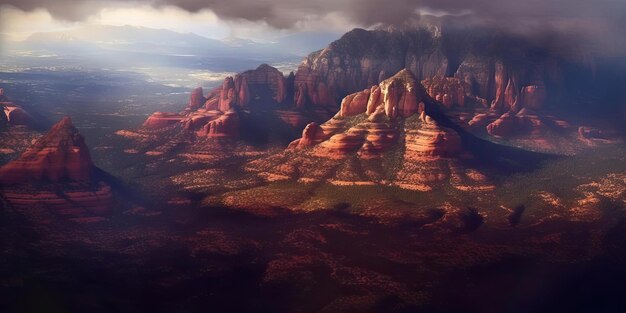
532, 245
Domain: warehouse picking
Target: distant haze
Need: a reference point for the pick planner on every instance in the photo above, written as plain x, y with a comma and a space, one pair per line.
599, 21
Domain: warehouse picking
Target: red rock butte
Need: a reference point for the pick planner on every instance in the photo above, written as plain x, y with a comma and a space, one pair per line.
399, 96
60, 155
385, 124
217, 113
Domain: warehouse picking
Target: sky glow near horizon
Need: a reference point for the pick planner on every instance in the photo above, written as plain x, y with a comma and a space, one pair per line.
597, 23
17, 24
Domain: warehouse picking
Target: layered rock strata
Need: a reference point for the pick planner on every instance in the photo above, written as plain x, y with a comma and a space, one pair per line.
58, 156
380, 136
57, 173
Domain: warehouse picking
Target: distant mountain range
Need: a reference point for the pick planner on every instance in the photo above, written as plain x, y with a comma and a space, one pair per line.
102, 39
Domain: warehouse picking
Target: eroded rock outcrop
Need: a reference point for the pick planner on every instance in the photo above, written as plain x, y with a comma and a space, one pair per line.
450, 91
385, 138
57, 173
264, 85
398, 96
227, 125
504, 75
430, 139
526, 122
309, 137
196, 100
59, 155
312, 90
264, 91
162, 119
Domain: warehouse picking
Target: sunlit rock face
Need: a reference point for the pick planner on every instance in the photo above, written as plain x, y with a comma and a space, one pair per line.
432, 140
485, 75
56, 172
59, 155
255, 101
227, 125
382, 135
309, 137
162, 119
398, 96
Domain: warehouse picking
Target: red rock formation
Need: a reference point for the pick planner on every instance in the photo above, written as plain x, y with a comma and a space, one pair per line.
199, 118
361, 59
267, 77
451, 91
196, 100
59, 155
355, 103
226, 125
248, 87
309, 137
507, 89
295, 119
523, 123
504, 126
362, 144
243, 91
213, 99
162, 119
311, 90
227, 97
397, 96
432, 140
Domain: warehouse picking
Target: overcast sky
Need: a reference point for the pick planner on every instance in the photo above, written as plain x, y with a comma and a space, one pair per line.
603, 20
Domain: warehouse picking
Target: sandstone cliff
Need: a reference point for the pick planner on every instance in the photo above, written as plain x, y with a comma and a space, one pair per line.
508, 71
380, 136
264, 89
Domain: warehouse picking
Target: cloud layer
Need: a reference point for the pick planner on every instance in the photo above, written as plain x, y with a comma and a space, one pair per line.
286, 13
590, 18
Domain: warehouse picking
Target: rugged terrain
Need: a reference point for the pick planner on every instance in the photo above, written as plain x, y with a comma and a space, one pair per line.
437, 170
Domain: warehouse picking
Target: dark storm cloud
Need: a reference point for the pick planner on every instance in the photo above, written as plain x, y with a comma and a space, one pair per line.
285, 13
606, 16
